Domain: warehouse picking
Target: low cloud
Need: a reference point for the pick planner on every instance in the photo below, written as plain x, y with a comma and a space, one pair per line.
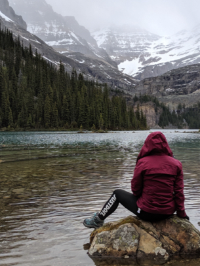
163, 17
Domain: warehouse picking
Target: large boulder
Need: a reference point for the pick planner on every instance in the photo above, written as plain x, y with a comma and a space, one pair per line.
140, 241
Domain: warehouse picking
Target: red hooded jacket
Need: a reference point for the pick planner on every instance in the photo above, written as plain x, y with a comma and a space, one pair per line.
158, 178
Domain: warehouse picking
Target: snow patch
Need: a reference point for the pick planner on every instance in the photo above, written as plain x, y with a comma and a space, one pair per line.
50, 60
24, 38
138, 49
5, 17
170, 90
130, 67
61, 42
35, 41
75, 36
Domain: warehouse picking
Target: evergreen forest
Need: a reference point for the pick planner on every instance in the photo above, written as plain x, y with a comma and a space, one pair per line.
180, 118
34, 94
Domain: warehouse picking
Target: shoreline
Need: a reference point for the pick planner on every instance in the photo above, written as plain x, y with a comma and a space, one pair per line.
69, 130
90, 131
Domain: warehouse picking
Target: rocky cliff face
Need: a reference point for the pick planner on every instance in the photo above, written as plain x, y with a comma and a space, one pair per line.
136, 52
172, 52
133, 49
176, 86
142, 54
10, 13
125, 44
96, 69
152, 116
81, 31
64, 34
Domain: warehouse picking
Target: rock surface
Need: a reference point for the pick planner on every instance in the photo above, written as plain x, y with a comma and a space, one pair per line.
176, 86
125, 43
64, 34
10, 13
140, 241
142, 54
148, 110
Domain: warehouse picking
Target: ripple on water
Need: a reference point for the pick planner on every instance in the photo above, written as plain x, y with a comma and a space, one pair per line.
51, 181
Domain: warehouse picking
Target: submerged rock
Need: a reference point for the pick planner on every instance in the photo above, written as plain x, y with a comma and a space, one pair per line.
134, 239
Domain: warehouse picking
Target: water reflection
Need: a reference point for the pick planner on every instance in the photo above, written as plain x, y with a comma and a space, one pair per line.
51, 181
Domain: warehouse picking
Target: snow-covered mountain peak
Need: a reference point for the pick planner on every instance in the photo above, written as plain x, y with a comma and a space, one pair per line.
63, 33
142, 54
134, 50
124, 36
125, 43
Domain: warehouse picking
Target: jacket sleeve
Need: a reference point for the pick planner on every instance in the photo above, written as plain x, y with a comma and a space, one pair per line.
137, 180
179, 195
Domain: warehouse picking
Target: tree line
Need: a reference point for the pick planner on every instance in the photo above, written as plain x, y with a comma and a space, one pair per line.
35, 94
166, 116
181, 117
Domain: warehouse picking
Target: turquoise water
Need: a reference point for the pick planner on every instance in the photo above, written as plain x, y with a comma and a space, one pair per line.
49, 182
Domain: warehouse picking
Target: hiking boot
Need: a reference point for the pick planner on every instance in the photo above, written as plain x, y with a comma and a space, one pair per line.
93, 222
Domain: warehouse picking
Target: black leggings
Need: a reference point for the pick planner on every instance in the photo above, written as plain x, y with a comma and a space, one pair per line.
129, 201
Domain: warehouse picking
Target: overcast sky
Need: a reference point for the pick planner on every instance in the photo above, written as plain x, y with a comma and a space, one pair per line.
163, 17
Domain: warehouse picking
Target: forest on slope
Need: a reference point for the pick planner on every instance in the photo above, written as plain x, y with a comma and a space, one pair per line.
34, 94
182, 117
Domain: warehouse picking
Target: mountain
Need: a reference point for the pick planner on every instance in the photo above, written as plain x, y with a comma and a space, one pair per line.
173, 52
92, 68
9, 14
131, 50
124, 43
141, 54
178, 86
64, 34
35, 95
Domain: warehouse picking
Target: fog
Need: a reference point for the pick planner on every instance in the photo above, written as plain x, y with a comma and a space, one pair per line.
163, 17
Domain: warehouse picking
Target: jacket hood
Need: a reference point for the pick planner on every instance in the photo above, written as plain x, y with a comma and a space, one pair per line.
155, 143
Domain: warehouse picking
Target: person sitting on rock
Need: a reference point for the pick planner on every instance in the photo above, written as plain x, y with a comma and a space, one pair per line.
157, 186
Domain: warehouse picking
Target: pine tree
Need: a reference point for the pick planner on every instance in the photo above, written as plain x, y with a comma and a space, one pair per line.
101, 121
47, 112
35, 94
55, 116
10, 118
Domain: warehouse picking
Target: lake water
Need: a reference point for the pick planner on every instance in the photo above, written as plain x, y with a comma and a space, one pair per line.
50, 182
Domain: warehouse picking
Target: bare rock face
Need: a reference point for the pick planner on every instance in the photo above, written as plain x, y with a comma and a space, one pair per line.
142, 54
10, 13
64, 34
139, 241
177, 86
152, 116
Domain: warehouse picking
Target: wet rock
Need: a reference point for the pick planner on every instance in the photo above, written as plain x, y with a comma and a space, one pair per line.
86, 246
18, 190
141, 241
6, 197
